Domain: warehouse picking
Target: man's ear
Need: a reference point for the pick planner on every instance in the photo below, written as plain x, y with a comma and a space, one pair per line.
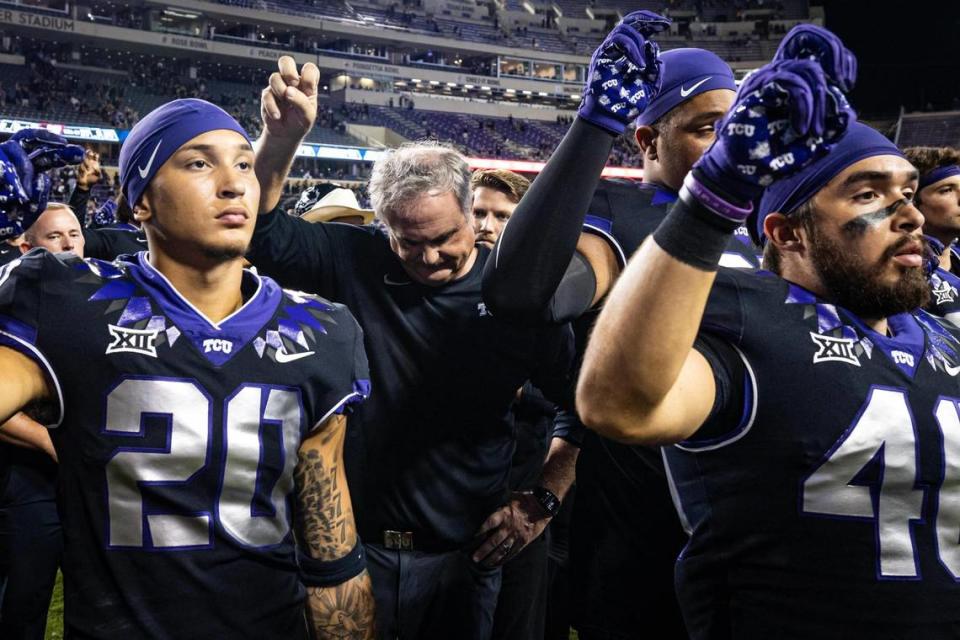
142, 211
786, 236
647, 140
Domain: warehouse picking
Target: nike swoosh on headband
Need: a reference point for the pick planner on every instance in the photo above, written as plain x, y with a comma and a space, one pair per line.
144, 171
684, 92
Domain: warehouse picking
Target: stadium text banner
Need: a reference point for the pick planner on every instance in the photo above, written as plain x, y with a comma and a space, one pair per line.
72, 132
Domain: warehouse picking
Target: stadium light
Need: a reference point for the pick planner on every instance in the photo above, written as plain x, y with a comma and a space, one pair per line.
468, 86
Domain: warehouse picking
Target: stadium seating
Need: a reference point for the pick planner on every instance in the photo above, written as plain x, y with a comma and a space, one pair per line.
930, 129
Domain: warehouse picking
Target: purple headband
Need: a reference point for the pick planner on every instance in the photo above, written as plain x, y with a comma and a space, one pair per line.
938, 174
858, 143
154, 139
686, 74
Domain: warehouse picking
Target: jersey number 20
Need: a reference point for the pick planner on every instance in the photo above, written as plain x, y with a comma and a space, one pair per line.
188, 410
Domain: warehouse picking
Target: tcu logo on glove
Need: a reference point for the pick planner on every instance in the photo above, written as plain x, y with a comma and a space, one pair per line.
785, 115
24, 185
735, 129
624, 73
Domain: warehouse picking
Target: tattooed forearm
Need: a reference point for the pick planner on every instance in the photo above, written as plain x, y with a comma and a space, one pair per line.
324, 514
327, 531
342, 612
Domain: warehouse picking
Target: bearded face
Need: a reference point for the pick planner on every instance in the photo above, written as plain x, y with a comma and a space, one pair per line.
865, 286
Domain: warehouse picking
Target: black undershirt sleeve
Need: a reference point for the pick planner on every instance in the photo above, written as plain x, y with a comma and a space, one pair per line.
530, 277
78, 202
731, 377
296, 253
109, 244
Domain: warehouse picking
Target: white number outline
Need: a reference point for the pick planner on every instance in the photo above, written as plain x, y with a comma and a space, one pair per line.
946, 408
214, 513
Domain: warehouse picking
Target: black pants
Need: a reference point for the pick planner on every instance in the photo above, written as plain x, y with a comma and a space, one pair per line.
522, 604
427, 596
30, 550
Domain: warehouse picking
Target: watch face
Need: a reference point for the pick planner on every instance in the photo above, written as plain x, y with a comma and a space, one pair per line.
547, 500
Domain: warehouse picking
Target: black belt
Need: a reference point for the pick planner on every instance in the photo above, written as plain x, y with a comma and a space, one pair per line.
416, 541
402, 540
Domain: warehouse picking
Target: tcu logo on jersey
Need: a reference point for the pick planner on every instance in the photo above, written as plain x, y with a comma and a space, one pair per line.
834, 349
901, 357
127, 340
218, 345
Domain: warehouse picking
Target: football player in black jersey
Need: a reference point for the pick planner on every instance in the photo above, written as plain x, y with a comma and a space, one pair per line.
938, 198
430, 462
199, 409
29, 524
808, 412
624, 522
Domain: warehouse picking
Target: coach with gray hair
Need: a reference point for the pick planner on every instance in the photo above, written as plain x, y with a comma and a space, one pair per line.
428, 456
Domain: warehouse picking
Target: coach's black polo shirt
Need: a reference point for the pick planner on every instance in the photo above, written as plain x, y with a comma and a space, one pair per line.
430, 451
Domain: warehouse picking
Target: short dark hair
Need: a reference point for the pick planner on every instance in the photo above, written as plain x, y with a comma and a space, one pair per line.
511, 184
801, 216
926, 159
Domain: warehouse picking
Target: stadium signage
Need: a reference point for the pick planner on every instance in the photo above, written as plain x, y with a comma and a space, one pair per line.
268, 54
186, 43
36, 20
73, 132
482, 80
372, 66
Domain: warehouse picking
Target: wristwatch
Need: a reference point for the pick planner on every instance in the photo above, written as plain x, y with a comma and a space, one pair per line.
548, 500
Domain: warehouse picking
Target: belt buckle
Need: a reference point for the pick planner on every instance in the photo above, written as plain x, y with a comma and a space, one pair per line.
400, 540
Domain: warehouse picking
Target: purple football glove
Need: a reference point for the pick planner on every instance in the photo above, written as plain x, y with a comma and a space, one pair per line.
24, 185
624, 73
784, 116
810, 42
106, 215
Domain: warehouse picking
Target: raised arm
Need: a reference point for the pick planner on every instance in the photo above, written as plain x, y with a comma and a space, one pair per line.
288, 107
339, 592
534, 274
642, 379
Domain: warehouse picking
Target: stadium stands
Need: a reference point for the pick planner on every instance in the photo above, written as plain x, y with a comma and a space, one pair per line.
929, 129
